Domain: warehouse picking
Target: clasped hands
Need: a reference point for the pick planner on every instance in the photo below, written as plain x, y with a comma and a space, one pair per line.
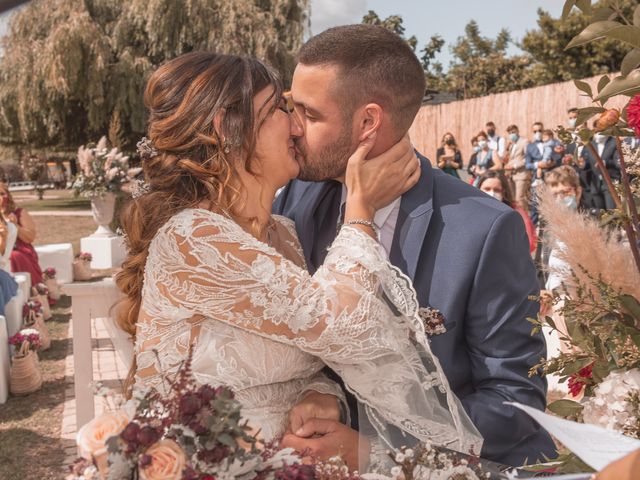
316, 432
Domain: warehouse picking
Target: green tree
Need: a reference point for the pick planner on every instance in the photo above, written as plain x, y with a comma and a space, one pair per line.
481, 66
70, 67
546, 45
393, 23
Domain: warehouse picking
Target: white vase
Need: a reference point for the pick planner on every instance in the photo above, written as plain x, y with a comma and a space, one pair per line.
103, 208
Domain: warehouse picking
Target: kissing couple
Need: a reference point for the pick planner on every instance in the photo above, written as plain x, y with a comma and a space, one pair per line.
315, 306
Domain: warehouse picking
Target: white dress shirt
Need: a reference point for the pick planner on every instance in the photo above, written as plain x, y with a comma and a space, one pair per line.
385, 219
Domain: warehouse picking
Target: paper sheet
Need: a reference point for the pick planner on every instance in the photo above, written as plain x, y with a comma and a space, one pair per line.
596, 446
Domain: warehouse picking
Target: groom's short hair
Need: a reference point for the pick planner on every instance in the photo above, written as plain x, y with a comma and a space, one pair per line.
374, 65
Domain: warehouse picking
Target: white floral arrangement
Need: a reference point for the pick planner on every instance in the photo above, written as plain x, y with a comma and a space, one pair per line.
101, 170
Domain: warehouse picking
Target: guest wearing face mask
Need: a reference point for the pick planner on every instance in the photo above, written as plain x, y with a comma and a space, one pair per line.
599, 195
495, 183
515, 169
496, 142
533, 162
448, 155
473, 158
486, 159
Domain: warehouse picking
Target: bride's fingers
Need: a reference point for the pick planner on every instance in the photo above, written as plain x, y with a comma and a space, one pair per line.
364, 148
413, 177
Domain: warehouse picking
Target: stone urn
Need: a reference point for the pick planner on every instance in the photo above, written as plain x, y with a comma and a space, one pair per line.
102, 208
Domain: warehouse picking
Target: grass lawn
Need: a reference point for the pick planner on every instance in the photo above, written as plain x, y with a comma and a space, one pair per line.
57, 229
30, 443
53, 200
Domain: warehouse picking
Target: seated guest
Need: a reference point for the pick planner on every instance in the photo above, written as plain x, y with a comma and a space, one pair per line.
23, 257
448, 156
495, 183
8, 286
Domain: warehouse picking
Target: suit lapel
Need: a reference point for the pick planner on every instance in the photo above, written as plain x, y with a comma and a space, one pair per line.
316, 221
416, 208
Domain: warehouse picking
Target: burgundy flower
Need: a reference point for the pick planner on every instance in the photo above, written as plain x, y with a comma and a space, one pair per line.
579, 380
296, 472
130, 432
147, 435
633, 114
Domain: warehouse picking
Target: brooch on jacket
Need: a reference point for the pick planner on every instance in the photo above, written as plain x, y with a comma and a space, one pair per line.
432, 320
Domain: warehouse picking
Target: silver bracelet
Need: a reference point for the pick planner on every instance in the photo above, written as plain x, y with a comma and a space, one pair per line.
366, 223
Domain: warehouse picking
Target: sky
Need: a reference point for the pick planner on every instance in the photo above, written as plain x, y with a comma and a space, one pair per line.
424, 18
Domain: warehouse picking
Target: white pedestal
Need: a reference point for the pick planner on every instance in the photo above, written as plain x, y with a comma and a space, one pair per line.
58, 256
107, 252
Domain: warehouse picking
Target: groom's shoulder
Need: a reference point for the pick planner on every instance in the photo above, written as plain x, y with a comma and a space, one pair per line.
460, 201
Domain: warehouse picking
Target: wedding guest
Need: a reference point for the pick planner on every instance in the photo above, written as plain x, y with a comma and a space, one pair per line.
23, 257
496, 142
448, 155
515, 169
486, 159
573, 117
473, 159
495, 183
599, 194
8, 286
533, 161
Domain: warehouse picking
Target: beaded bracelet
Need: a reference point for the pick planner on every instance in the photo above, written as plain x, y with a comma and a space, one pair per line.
366, 223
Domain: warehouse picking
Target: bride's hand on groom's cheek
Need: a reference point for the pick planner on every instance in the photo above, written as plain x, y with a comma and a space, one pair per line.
314, 405
323, 439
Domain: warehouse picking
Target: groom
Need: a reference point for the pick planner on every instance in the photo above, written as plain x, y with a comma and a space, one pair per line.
467, 254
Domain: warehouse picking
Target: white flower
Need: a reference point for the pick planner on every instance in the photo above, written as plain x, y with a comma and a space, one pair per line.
29, 331
400, 457
409, 453
396, 472
609, 407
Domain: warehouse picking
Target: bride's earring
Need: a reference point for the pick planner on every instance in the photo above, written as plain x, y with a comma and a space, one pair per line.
225, 147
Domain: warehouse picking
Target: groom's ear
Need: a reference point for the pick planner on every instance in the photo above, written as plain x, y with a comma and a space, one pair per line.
370, 120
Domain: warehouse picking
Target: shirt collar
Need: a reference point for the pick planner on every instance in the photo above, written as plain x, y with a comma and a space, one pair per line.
381, 215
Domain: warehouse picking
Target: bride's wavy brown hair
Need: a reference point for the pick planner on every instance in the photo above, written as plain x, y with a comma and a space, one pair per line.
202, 125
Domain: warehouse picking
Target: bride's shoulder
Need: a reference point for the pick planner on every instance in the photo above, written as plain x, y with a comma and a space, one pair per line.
286, 222
191, 220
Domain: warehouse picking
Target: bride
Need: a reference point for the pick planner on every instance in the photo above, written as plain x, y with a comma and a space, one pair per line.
208, 266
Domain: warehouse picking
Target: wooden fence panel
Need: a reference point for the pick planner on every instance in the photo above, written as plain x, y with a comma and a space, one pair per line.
465, 118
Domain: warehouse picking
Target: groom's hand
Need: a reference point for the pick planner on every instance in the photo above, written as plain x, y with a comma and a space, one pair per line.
324, 439
314, 405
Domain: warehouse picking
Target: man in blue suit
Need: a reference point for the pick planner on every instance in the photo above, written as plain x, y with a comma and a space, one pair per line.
467, 254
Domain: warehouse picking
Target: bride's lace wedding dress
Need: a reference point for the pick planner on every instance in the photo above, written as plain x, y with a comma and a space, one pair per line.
262, 325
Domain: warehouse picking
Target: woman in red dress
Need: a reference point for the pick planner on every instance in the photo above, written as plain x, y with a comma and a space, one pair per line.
23, 257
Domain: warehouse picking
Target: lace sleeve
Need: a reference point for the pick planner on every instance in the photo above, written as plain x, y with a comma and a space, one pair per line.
209, 266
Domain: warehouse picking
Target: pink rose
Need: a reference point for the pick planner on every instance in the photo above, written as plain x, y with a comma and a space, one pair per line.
92, 437
167, 461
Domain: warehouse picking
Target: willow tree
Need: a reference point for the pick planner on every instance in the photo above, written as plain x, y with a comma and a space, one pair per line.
73, 70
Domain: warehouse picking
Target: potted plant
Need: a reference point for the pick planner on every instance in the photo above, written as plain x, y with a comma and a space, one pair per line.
40, 293
82, 266
51, 283
102, 172
25, 376
33, 317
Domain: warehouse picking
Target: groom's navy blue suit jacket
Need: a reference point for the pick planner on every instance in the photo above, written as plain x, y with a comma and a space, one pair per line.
468, 256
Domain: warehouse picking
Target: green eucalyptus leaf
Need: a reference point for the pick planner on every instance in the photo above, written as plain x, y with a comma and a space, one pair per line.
601, 14
551, 323
566, 10
630, 61
584, 5
565, 408
586, 113
631, 304
583, 87
604, 80
585, 135
613, 30
622, 85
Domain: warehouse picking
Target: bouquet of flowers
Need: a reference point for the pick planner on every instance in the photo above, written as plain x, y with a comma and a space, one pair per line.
49, 273
196, 432
49, 278
29, 338
101, 170
82, 266
40, 293
25, 376
33, 317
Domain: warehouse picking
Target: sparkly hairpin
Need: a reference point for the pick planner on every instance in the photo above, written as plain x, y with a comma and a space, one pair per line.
140, 188
146, 149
